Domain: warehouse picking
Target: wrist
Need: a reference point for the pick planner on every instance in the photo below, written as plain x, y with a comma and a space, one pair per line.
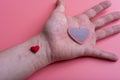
23, 62
43, 56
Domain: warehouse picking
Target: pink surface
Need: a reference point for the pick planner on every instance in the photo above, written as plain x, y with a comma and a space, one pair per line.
21, 19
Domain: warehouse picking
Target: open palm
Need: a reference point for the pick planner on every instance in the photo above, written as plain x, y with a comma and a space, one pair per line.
64, 48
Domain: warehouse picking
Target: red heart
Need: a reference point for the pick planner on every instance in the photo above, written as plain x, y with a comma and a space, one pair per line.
34, 49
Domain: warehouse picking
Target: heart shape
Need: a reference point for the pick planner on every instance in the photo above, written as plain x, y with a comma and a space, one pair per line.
34, 49
78, 35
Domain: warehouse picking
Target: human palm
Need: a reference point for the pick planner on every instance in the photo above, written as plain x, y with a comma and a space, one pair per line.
64, 48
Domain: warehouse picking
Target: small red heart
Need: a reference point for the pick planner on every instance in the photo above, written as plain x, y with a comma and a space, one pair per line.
34, 49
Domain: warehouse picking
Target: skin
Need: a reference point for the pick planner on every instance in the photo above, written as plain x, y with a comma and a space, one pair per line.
18, 62
56, 32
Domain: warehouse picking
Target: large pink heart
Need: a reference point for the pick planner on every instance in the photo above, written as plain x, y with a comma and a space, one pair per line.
78, 35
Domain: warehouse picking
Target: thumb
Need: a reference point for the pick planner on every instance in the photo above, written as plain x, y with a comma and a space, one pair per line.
60, 6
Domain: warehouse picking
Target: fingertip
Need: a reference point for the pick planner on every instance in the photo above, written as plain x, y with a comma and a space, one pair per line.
114, 58
60, 6
59, 2
116, 14
106, 3
116, 28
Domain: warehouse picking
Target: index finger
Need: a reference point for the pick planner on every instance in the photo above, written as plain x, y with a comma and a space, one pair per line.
97, 9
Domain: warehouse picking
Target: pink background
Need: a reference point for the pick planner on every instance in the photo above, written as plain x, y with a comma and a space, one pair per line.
22, 19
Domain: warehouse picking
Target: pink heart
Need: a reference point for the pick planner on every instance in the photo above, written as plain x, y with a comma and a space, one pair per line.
78, 35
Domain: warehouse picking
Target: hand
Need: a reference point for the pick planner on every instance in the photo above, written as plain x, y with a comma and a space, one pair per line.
64, 48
